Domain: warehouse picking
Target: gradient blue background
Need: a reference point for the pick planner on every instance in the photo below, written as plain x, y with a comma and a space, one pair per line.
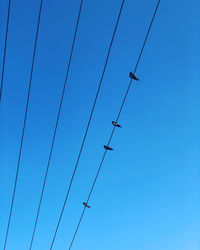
147, 195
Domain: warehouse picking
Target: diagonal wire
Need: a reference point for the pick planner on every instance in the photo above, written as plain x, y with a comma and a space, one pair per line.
5, 47
24, 125
88, 125
113, 130
56, 125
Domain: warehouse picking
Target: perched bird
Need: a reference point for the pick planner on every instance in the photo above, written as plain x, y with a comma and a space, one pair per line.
86, 205
108, 148
116, 124
133, 76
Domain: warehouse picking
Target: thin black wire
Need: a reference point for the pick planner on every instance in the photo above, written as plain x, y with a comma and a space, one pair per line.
88, 125
5, 47
57, 120
24, 125
91, 190
113, 130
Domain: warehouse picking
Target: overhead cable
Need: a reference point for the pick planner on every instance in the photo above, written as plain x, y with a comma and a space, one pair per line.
113, 130
88, 124
24, 124
56, 126
5, 48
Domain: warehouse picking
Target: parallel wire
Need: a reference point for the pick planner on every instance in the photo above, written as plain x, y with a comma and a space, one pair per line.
5, 48
56, 125
24, 125
113, 130
88, 125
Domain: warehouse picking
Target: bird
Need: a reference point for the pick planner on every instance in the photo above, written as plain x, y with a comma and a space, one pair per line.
116, 124
86, 205
107, 148
132, 76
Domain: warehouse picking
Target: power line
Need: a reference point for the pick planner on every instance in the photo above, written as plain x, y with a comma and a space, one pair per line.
88, 125
113, 130
56, 125
24, 125
5, 47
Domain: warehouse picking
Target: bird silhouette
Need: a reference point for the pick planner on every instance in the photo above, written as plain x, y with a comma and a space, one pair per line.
132, 76
108, 148
116, 124
86, 205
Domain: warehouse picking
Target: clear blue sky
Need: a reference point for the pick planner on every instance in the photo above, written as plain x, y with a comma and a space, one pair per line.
147, 195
